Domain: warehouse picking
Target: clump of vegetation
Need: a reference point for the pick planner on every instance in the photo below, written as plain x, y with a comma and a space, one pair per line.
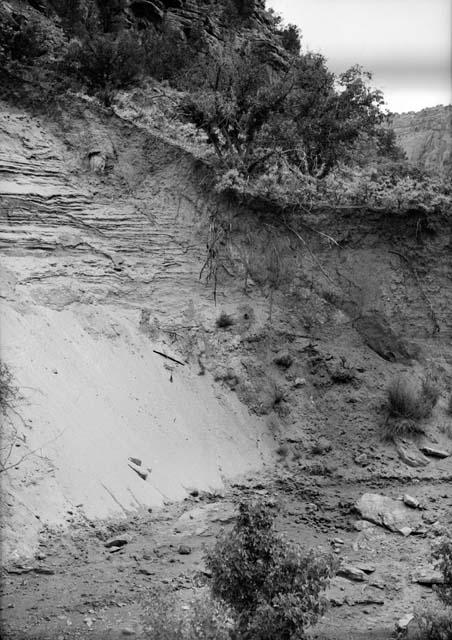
105, 62
443, 556
283, 360
436, 624
224, 320
205, 620
22, 42
449, 405
8, 391
273, 588
408, 404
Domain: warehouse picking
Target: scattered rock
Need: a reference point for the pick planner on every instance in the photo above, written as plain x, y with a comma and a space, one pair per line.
367, 568
127, 632
402, 624
184, 550
45, 571
365, 599
145, 571
351, 572
410, 454
19, 568
389, 513
410, 501
428, 577
136, 461
138, 470
362, 459
429, 518
321, 446
435, 453
200, 517
118, 541
299, 382
362, 525
378, 584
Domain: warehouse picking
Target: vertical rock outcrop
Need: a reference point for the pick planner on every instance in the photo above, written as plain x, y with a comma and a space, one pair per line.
426, 137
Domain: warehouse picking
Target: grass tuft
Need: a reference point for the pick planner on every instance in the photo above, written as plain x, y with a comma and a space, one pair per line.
224, 320
409, 404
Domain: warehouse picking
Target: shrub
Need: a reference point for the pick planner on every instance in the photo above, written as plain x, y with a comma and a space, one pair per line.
272, 587
21, 41
433, 624
443, 555
206, 620
8, 392
168, 55
437, 624
224, 320
105, 62
408, 404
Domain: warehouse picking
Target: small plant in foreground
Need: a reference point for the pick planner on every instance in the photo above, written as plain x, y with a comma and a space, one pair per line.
224, 320
443, 556
434, 624
408, 404
273, 588
205, 619
437, 624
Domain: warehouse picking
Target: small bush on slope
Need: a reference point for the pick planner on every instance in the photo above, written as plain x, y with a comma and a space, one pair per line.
105, 62
408, 404
272, 587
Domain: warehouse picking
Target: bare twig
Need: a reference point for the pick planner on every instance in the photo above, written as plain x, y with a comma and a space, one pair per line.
28, 454
164, 355
305, 244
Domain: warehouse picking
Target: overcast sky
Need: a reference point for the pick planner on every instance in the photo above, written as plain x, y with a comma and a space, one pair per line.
405, 43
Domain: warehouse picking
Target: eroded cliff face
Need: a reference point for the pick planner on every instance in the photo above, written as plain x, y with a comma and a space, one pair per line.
100, 271
108, 234
426, 137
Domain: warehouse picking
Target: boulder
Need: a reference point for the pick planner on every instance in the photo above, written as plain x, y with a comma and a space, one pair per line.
434, 452
402, 624
117, 541
184, 550
351, 572
410, 501
410, 454
389, 513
